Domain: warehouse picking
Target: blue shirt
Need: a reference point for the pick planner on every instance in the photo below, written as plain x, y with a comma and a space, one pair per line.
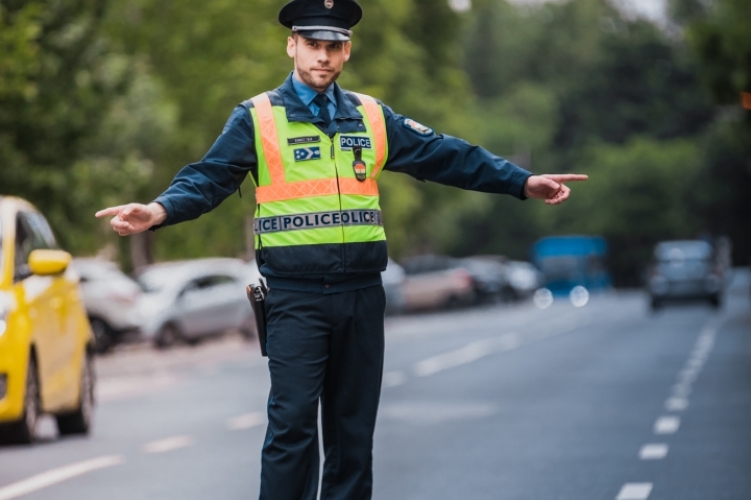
412, 149
307, 94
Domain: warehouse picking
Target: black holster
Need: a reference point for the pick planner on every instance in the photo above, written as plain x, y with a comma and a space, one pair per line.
257, 296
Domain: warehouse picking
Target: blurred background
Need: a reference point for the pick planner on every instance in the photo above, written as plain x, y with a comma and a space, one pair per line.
103, 101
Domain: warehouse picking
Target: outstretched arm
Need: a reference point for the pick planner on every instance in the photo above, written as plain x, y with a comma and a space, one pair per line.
198, 187
418, 151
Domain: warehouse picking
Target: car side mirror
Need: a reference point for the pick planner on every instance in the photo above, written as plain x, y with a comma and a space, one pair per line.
49, 262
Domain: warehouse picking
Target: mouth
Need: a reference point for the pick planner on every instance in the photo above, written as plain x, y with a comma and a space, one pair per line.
322, 70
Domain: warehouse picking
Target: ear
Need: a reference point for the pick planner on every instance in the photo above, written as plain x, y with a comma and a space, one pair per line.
347, 50
291, 47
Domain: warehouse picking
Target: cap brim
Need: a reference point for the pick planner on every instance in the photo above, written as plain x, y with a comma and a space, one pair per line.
325, 35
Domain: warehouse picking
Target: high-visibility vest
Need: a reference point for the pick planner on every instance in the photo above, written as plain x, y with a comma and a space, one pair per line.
313, 215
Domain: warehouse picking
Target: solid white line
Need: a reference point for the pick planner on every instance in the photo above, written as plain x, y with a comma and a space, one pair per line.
635, 491
247, 421
654, 451
667, 425
467, 354
58, 475
168, 444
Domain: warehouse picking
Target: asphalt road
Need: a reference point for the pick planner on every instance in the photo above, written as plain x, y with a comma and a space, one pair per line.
606, 401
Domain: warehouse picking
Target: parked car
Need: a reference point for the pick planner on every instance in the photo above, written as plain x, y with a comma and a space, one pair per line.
189, 300
393, 284
436, 281
685, 270
110, 297
46, 342
488, 277
523, 279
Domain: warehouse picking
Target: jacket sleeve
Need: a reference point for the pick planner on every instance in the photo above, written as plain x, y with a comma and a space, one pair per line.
200, 187
418, 151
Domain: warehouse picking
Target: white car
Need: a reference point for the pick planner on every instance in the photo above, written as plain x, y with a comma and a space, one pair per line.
189, 300
110, 298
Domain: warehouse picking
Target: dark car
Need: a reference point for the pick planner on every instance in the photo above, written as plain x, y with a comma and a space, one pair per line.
489, 277
685, 270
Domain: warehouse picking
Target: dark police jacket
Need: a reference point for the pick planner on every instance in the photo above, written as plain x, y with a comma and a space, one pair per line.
412, 149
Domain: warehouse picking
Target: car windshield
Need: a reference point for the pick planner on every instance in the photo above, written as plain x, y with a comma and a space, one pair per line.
683, 250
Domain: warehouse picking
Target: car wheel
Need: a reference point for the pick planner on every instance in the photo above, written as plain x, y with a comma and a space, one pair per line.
655, 304
167, 337
79, 421
24, 430
103, 335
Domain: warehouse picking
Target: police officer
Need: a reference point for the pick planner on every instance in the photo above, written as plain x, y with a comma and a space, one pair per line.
315, 152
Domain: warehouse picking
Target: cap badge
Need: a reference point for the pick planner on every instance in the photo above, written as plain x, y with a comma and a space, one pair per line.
329, 4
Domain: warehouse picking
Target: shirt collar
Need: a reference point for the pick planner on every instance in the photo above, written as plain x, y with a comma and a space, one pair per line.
307, 94
298, 111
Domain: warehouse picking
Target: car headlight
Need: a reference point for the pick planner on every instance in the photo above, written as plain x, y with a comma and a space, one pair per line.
6, 306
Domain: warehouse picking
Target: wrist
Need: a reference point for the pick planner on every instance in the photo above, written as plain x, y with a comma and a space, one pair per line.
158, 213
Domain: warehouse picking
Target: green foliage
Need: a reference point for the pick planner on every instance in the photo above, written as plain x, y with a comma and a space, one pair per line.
639, 193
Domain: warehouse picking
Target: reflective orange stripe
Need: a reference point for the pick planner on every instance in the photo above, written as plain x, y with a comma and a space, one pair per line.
321, 187
378, 126
269, 138
281, 190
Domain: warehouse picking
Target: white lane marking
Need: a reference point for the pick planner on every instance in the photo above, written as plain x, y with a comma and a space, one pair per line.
653, 451
392, 379
676, 404
667, 425
118, 388
54, 476
467, 354
246, 421
635, 491
682, 390
168, 444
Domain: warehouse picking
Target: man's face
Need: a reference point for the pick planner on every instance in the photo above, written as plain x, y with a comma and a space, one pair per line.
318, 63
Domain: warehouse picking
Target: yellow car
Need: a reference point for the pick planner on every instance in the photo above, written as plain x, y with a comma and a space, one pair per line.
46, 343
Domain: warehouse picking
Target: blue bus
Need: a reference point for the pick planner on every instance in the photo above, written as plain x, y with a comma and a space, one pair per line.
570, 261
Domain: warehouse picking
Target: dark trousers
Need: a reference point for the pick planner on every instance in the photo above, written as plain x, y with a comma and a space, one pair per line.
327, 348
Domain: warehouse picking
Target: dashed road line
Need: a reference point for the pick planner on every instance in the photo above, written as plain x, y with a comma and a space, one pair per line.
246, 421
393, 379
667, 425
635, 491
653, 451
676, 404
467, 354
168, 444
55, 476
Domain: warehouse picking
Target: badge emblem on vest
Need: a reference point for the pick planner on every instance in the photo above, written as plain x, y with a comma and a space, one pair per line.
306, 154
361, 170
329, 4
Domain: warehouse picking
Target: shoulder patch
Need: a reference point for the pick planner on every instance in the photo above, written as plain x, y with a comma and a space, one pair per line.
417, 127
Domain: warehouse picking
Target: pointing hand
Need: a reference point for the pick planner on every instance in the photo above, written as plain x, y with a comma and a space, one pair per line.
550, 187
134, 217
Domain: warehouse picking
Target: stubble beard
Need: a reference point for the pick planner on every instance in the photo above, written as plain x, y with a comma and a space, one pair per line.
317, 82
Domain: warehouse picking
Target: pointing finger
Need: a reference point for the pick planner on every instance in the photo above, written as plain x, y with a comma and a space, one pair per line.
568, 177
108, 211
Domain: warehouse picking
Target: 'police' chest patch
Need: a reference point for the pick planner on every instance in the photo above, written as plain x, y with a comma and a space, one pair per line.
306, 154
348, 142
417, 127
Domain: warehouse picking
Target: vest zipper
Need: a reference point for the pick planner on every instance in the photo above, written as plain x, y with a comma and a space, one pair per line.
339, 194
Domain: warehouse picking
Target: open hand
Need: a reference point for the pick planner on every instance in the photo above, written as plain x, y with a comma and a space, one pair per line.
550, 187
134, 217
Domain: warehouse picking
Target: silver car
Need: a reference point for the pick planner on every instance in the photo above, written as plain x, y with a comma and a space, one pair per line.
110, 298
189, 300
